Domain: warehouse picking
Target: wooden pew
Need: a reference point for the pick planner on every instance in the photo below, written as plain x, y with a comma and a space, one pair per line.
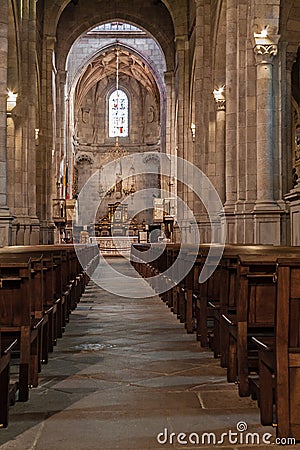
216, 296
64, 279
255, 315
5, 386
32, 282
279, 356
17, 318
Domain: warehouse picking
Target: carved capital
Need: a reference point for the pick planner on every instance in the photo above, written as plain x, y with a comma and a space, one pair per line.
50, 42
220, 99
221, 105
62, 76
182, 42
265, 46
265, 53
290, 59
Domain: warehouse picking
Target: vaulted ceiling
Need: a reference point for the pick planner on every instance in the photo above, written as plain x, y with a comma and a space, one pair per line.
105, 66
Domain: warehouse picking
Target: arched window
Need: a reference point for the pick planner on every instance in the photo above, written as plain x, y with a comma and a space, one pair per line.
118, 114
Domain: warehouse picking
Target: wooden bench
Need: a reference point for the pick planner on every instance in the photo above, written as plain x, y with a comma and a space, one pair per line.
255, 312
35, 282
5, 386
279, 356
17, 318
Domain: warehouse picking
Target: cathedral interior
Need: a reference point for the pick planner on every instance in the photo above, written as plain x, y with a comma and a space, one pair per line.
132, 126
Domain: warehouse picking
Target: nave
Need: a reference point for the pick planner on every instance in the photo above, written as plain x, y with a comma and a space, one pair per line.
124, 372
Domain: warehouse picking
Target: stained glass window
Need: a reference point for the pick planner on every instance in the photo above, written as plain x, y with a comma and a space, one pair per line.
118, 114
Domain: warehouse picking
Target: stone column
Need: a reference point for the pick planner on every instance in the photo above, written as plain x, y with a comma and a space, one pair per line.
170, 111
182, 48
200, 131
293, 196
62, 129
170, 119
264, 55
291, 57
5, 216
47, 143
219, 96
231, 120
34, 222
267, 222
231, 106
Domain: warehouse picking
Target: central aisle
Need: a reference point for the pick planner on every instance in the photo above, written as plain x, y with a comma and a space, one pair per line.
124, 372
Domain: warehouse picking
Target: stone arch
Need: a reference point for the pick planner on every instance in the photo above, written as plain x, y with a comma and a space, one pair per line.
160, 26
154, 78
55, 9
105, 49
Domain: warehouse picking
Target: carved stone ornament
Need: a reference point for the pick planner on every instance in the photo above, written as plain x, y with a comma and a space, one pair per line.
221, 105
84, 158
291, 58
220, 99
152, 157
265, 53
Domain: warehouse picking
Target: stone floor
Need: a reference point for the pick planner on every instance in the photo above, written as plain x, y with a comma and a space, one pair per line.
125, 376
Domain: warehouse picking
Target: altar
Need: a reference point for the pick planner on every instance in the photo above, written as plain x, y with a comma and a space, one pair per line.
114, 245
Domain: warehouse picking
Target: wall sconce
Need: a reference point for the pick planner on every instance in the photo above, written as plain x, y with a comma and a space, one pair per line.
193, 131
171, 181
11, 101
219, 94
263, 33
265, 45
220, 99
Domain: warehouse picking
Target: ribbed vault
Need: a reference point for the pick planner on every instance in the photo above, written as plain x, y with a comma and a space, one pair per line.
104, 66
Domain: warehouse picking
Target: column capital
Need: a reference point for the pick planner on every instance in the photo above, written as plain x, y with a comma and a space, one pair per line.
221, 105
62, 76
181, 42
265, 47
291, 58
220, 99
265, 53
169, 75
50, 41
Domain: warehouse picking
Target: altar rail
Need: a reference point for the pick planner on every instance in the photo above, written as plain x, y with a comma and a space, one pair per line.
114, 245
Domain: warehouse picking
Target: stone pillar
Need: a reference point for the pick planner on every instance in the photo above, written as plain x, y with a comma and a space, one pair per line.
291, 57
231, 120
182, 48
201, 127
170, 119
31, 181
219, 96
47, 143
62, 129
231, 107
170, 112
267, 222
5, 216
293, 196
264, 55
